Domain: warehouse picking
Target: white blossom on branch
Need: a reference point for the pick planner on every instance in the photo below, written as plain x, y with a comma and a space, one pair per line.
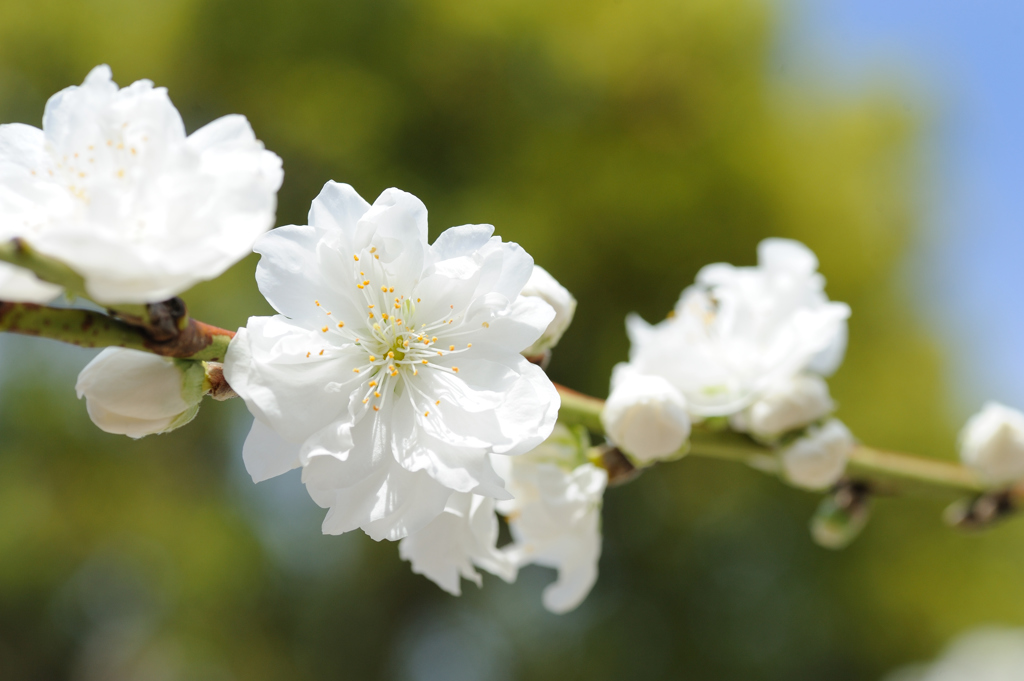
112, 187
393, 371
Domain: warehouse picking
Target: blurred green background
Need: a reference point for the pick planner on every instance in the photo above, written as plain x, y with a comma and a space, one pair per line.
624, 145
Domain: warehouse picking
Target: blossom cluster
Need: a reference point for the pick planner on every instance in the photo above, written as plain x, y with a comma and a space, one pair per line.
404, 378
750, 346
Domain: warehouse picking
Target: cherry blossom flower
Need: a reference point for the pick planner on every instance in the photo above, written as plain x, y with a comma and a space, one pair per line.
645, 416
134, 393
113, 187
818, 459
394, 369
741, 331
992, 443
542, 285
18, 285
462, 538
555, 515
787, 406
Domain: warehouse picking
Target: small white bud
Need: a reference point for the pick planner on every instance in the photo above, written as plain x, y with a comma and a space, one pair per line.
992, 443
542, 285
134, 393
799, 401
817, 460
645, 415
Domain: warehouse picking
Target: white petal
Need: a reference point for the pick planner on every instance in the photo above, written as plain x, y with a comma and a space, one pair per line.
267, 454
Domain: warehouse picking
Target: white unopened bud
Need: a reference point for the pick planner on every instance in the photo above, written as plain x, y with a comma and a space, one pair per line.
817, 460
542, 285
801, 400
134, 393
992, 443
645, 416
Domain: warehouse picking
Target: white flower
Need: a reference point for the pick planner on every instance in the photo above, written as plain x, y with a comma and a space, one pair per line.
555, 517
787, 406
114, 188
462, 537
986, 654
18, 285
741, 331
818, 459
393, 371
645, 416
992, 443
134, 393
542, 285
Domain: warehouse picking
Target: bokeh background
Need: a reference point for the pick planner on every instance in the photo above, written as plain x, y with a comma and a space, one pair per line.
624, 145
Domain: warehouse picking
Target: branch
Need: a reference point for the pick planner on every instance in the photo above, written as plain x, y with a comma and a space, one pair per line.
88, 329
887, 472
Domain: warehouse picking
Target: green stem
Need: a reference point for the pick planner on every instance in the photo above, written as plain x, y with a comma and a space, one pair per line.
89, 329
888, 472
17, 252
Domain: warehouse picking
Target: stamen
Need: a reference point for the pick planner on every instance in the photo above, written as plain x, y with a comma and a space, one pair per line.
373, 384
356, 258
451, 348
486, 325
324, 329
317, 303
469, 345
321, 352
356, 370
376, 408
307, 354
373, 249
426, 413
423, 361
341, 324
376, 394
455, 369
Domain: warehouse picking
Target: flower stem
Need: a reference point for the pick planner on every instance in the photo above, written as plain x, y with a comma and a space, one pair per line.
89, 329
887, 472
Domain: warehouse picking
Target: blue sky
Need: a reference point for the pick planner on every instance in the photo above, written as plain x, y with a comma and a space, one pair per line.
965, 62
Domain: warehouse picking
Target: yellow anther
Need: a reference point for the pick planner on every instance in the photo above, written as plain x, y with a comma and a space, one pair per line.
486, 325
372, 358
376, 327
321, 352
391, 354
455, 369
420, 338
398, 306
376, 394
391, 289
341, 325
440, 353
384, 289
376, 408
434, 339
426, 413
417, 300
391, 367
365, 400
451, 347
324, 329
469, 345
370, 306
356, 258
452, 306
360, 286
405, 344
307, 354
398, 300
415, 371
423, 361
437, 403
376, 256
373, 249
384, 315
356, 370
371, 315
366, 282
373, 384
328, 314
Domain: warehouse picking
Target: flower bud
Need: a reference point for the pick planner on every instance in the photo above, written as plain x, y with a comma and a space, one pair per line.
840, 517
645, 415
134, 393
992, 443
817, 460
799, 401
542, 285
